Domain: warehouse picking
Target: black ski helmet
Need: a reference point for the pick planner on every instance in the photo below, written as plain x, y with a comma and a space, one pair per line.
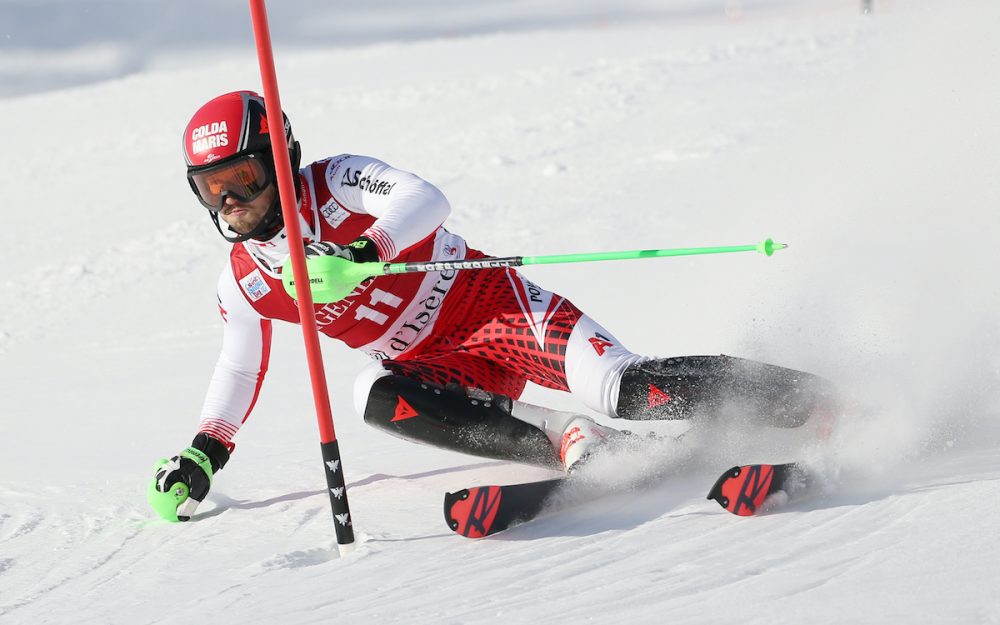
225, 130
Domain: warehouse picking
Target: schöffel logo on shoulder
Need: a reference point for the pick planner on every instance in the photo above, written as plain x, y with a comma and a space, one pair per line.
353, 178
209, 136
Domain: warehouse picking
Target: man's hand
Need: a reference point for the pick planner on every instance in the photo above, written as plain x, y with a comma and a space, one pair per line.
361, 250
181, 483
334, 270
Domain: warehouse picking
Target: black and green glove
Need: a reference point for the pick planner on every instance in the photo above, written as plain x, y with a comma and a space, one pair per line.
360, 250
181, 483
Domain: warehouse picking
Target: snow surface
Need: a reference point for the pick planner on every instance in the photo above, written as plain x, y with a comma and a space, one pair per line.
869, 143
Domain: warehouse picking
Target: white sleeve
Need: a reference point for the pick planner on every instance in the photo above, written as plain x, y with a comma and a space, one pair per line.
407, 208
239, 373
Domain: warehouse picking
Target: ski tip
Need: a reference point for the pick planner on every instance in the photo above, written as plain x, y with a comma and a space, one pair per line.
742, 490
472, 512
450, 500
717, 493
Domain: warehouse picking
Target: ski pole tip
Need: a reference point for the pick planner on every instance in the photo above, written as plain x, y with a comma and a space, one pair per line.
345, 549
768, 247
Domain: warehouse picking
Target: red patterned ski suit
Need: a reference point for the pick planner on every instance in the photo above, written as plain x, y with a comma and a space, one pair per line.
490, 328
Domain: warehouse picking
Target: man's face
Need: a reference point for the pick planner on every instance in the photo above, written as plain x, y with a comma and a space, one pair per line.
243, 217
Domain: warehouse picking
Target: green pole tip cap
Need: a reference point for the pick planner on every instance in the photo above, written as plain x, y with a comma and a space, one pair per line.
768, 247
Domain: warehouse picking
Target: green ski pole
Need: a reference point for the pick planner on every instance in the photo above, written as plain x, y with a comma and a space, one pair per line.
332, 278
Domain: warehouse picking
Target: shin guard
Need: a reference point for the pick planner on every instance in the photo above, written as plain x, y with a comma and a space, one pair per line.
704, 386
466, 420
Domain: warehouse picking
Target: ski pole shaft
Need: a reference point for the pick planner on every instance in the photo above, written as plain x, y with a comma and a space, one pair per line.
766, 247
333, 278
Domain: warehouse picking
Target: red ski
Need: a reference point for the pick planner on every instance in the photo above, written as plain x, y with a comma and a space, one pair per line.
744, 490
485, 510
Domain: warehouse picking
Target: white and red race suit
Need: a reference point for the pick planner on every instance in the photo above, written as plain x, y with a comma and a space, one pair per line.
490, 328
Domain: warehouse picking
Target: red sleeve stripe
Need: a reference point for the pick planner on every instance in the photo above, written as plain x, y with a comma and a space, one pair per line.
218, 429
265, 357
386, 248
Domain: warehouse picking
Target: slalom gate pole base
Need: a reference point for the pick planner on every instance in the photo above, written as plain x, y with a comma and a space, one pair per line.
338, 496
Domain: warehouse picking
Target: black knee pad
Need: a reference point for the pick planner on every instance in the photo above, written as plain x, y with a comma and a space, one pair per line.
466, 420
688, 386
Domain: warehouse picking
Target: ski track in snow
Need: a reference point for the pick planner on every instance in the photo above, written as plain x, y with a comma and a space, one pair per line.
866, 143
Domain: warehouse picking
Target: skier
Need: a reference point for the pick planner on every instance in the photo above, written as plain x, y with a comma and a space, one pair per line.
452, 350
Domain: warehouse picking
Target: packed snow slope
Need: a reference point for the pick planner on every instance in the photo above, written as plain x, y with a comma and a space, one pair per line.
868, 143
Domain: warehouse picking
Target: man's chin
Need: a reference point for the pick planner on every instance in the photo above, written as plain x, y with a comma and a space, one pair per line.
242, 227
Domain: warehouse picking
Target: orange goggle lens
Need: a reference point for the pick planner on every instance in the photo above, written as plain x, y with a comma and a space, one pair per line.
243, 179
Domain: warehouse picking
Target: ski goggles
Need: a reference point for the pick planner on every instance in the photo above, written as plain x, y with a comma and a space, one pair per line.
243, 179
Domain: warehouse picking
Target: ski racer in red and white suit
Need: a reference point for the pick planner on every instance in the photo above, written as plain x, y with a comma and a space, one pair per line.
492, 329
452, 351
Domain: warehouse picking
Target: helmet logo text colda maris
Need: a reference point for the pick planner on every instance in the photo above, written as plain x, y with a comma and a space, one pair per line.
209, 136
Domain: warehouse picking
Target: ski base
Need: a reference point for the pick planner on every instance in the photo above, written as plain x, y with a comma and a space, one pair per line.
746, 490
486, 510
483, 511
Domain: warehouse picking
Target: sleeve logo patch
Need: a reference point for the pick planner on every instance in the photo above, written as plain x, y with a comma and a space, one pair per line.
333, 213
255, 286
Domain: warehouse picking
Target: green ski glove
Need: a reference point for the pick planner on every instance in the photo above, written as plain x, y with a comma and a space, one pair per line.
335, 270
181, 483
360, 250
